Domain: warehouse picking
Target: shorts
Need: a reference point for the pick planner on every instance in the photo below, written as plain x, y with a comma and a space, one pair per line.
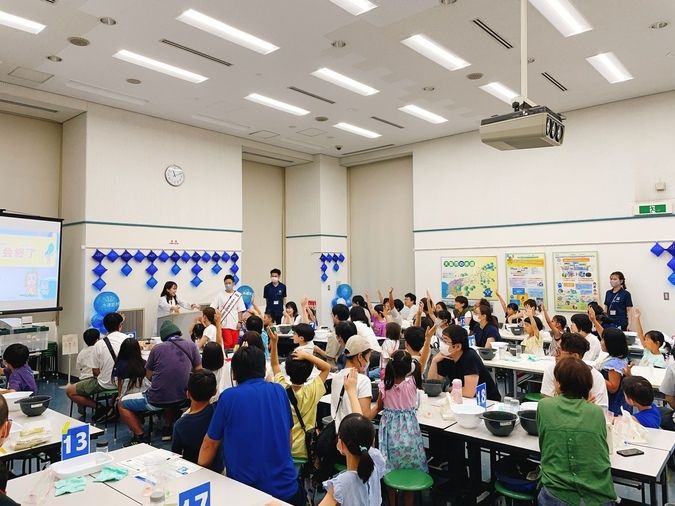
88, 387
230, 338
138, 403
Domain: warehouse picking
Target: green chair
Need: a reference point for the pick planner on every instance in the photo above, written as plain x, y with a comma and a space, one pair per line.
299, 464
514, 495
533, 397
340, 467
408, 480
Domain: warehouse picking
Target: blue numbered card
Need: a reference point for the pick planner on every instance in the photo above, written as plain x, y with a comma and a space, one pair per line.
481, 395
197, 496
75, 442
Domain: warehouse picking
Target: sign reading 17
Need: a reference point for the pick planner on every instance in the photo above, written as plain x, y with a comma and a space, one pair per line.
196, 496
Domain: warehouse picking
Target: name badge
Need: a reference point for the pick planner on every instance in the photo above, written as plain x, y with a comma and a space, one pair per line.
276, 302
612, 312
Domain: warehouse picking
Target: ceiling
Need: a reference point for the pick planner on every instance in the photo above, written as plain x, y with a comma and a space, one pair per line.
304, 30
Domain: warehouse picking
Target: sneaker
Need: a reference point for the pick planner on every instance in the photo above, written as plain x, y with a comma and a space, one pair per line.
135, 440
167, 434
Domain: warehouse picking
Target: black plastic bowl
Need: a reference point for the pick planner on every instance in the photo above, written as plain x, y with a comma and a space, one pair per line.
433, 388
528, 420
630, 340
517, 331
486, 353
500, 423
35, 405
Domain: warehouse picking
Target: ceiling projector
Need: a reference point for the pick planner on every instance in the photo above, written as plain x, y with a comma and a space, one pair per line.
525, 128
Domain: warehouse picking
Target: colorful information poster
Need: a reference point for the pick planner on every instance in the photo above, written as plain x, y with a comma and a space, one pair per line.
525, 277
473, 277
576, 280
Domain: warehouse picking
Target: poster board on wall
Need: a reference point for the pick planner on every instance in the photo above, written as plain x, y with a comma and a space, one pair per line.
576, 280
475, 277
525, 277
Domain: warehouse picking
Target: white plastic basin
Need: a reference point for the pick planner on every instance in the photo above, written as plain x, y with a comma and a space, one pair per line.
79, 466
467, 415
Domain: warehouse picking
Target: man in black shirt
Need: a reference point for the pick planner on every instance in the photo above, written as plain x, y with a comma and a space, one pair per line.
457, 361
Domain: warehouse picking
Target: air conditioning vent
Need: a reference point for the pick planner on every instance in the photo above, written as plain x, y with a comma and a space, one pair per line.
368, 150
492, 33
554, 81
390, 123
310, 94
29, 106
195, 52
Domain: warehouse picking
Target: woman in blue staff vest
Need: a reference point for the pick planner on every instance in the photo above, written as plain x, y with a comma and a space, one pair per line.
618, 301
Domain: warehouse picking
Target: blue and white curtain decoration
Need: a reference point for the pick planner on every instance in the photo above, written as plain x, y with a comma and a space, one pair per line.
163, 257
657, 250
335, 258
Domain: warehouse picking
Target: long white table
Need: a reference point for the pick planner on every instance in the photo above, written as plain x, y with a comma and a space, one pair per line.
635, 348
648, 468
129, 491
50, 418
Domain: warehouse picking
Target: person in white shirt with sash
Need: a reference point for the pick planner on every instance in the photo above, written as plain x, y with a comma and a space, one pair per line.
231, 305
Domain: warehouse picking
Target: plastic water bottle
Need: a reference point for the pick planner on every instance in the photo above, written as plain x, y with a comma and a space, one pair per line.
456, 393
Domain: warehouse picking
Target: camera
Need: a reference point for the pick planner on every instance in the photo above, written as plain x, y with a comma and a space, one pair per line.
338, 147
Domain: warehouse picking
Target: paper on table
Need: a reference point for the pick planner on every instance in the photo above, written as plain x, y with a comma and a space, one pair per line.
140, 462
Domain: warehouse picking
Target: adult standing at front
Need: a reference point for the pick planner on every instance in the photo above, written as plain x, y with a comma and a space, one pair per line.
231, 305
618, 301
168, 301
274, 294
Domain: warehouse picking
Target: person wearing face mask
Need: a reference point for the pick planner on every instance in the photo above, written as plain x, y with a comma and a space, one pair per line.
618, 301
457, 361
486, 332
230, 304
274, 294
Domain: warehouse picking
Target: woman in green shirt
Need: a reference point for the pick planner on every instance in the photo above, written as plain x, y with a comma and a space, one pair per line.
575, 463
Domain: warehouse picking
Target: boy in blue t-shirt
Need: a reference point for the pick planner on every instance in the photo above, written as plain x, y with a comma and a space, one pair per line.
190, 429
640, 395
19, 374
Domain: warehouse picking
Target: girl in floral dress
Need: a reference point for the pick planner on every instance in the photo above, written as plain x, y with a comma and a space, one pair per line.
400, 436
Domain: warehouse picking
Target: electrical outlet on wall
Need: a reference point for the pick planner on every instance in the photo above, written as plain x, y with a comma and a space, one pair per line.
666, 295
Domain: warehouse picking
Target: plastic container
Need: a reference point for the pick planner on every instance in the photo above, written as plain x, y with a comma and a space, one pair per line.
456, 393
467, 415
79, 466
102, 446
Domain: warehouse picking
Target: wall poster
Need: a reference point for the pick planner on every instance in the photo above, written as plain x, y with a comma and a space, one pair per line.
525, 277
576, 280
475, 277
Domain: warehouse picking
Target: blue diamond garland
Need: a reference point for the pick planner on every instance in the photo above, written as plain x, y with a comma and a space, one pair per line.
139, 256
175, 269
234, 268
324, 277
196, 257
341, 258
335, 257
215, 257
196, 269
324, 267
152, 256
174, 257
112, 255
152, 282
185, 256
126, 269
236, 279
323, 257
99, 284
336, 267
216, 268
671, 278
206, 257
225, 257
98, 256
671, 264
163, 256
671, 249
657, 249
196, 281
126, 256
99, 270
151, 269
234, 257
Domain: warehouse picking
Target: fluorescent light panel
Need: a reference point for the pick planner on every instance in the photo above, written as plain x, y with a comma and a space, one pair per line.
423, 114
96, 90
563, 15
355, 7
346, 82
276, 104
158, 66
357, 130
20, 23
610, 67
435, 52
220, 122
224, 31
500, 91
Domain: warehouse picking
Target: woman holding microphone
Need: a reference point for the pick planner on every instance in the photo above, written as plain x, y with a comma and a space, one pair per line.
169, 303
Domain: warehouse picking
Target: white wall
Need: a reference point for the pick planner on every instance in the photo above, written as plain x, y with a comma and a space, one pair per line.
263, 236
380, 226
612, 156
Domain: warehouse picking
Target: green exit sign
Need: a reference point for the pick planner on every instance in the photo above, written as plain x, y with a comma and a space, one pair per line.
653, 208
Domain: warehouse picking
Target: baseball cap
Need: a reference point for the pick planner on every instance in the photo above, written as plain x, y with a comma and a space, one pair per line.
355, 345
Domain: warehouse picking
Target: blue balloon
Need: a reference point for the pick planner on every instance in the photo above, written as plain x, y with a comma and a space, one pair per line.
97, 323
246, 294
344, 291
106, 302
334, 301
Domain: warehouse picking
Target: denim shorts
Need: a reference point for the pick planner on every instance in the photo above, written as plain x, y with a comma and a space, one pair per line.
138, 403
545, 498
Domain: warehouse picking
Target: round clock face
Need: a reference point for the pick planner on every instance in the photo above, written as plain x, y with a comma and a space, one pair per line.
174, 175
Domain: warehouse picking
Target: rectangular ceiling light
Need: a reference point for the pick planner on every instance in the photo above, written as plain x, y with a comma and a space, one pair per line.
501, 91
355, 7
19, 23
224, 31
357, 130
423, 114
276, 104
104, 92
435, 52
563, 15
159, 66
346, 82
610, 67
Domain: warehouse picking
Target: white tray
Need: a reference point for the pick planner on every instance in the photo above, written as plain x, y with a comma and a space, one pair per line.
79, 466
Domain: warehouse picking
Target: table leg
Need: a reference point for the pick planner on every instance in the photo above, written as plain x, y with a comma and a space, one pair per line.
664, 485
475, 472
652, 493
515, 382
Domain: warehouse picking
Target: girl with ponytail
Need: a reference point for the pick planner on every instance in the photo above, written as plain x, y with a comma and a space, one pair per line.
360, 483
400, 436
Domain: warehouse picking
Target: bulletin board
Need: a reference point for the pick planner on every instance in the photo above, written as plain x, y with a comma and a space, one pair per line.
475, 277
525, 277
576, 280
